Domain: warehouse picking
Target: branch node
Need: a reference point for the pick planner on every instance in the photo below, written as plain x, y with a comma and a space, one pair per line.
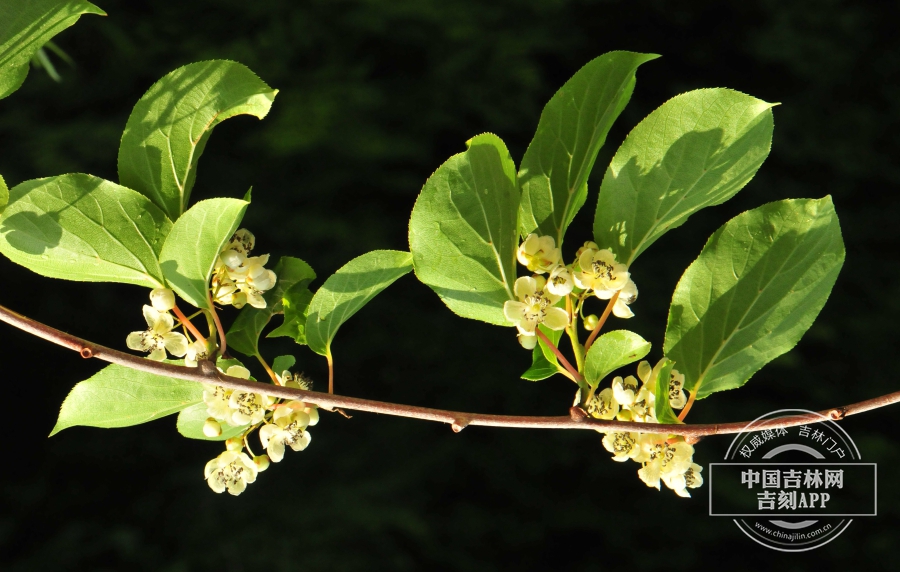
459, 424
578, 414
837, 414
208, 369
86, 352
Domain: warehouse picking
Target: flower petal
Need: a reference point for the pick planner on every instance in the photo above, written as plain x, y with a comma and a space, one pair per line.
556, 318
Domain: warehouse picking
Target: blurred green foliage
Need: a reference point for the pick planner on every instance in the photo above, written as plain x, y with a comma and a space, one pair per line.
375, 95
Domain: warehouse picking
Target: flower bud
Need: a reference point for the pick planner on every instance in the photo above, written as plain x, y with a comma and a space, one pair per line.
262, 462
590, 322
162, 299
212, 428
527, 342
234, 444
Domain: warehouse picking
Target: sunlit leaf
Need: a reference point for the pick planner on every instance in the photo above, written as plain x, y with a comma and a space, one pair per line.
462, 232
170, 125
194, 243
756, 287
572, 129
81, 227
697, 150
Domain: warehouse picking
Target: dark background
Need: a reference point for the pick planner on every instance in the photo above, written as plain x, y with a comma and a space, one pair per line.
375, 95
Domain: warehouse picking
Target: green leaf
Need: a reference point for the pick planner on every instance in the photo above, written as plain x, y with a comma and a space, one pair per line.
81, 227
296, 311
118, 396
25, 26
697, 150
170, 125
348, 290
4, 194
243, 335
543, 360
282, 363
573, 126
611, 351
664, 413
192, 247
756, 287
190, 424
462, 232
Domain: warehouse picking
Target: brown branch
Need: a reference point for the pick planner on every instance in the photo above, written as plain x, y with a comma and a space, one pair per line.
206, 372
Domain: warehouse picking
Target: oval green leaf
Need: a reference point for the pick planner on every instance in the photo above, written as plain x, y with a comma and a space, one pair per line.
348, 290
118, 396
81, 227
611, 351
462, 232
192, 247
25, 27
696, 150
572, 129
170, 125
756, 287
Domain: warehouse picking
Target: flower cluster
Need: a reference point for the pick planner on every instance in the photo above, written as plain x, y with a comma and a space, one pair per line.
159, 338
662, 458
594, 271
239, 278
280, 425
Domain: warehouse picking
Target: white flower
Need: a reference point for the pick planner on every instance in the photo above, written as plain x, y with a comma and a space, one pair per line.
677, 397
535, 306
624, 390
240, 279
602, 405
196, 352
643, 409
162, 299
216, 398
627, 295
247, 407
288, 427
230, 470
601, 273
622, 445
159, 336
681, 482
661, 458
560, 282
235, 407
539, 253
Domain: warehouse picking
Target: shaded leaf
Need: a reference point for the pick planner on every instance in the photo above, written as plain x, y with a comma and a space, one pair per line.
283, 363
170, 125
573, 126
81, 227
296, 310
4, 194
697, 150
118, 396
543, 360
663, 409
462, 232
25, 27
193, 246
348, 290
244, 333
756, 287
